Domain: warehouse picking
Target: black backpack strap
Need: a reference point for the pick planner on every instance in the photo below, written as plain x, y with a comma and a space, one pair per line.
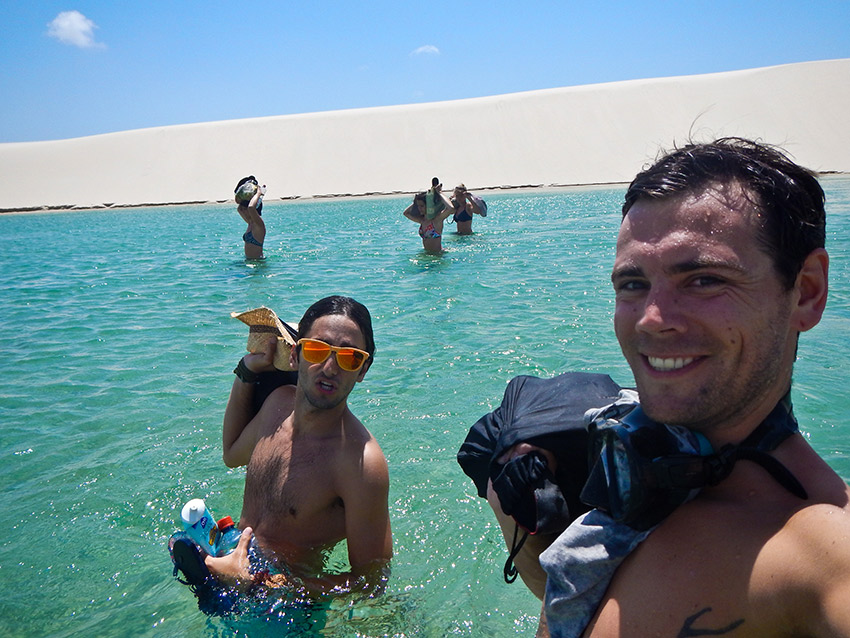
510, 570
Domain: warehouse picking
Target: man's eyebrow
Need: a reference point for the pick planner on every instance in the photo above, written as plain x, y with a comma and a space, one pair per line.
626, 271
691, 265
344, 343
701, 263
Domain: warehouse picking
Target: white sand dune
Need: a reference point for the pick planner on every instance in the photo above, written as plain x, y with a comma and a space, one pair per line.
602, 133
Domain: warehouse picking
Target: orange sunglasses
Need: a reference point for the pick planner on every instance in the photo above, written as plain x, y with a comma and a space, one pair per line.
315, 351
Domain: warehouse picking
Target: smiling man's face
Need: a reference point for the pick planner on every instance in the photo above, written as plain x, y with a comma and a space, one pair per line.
701, 314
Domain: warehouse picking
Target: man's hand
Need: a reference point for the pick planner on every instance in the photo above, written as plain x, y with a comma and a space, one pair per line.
521, 449
262, 361
233, 569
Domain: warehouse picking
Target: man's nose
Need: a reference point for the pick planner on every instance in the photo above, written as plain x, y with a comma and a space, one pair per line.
661, 311
330, 366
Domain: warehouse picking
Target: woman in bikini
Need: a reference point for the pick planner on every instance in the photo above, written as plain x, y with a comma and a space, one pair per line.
466, 204
430, 229
249, 200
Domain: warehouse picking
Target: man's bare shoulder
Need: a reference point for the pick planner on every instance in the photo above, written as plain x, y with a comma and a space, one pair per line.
280, 400
820, 525
364, 458
818, 537
806, 565
353, 427
746, 554
283, 393
278, 406
373, 457
357, 437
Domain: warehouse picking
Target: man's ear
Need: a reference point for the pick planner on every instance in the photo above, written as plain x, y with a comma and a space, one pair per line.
364, 369
293, 357
811, 287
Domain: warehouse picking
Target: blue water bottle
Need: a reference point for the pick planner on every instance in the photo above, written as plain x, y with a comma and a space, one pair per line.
200, 525
228, 537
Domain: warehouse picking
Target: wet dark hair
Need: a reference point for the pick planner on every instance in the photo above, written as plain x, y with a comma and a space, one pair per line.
788, 197
419, 197
338, 305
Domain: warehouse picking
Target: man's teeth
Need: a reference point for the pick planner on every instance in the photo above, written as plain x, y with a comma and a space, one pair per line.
658, 363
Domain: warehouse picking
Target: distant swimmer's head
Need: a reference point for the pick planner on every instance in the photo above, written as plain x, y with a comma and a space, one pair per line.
419, 200
245, 189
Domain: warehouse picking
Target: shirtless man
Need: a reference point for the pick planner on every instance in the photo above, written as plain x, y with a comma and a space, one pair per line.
720, 266
315, 474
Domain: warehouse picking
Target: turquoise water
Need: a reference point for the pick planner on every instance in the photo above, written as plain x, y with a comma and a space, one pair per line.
118, 347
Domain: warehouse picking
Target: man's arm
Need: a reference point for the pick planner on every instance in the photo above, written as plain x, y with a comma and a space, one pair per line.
822, 539
836, 605
527, 561
367, 518
241, 425
542, 625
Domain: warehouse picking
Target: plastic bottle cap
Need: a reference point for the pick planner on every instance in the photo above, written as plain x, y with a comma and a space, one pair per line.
193, 510
225, 522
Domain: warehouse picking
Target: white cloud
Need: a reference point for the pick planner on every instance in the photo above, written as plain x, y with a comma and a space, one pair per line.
427, 49
72, 27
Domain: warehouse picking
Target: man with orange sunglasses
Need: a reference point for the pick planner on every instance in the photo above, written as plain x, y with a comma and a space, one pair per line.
315, 474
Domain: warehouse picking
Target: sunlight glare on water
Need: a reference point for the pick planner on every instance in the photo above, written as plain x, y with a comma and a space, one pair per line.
118, 348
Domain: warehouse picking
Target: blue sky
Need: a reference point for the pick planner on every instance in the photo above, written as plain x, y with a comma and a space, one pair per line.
76, 68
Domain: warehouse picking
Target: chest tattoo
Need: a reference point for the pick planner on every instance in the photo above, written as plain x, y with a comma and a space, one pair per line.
689, 630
